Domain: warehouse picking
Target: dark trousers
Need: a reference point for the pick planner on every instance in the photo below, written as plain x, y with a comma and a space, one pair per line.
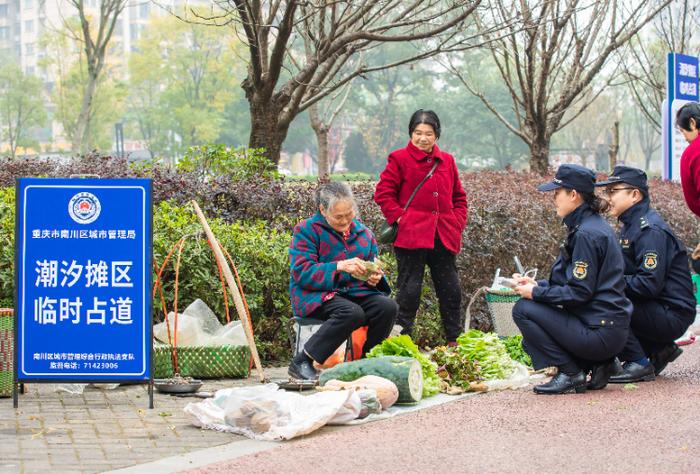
554, 337
443, 270
653, 327
342, 315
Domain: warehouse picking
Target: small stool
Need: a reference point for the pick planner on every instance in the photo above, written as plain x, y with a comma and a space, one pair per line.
303, 328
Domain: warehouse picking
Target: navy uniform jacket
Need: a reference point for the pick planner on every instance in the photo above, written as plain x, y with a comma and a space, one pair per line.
656, 263
587, 278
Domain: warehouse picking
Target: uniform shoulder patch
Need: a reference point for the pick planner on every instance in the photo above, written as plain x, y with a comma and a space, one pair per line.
580, 270
651, 260
643, 223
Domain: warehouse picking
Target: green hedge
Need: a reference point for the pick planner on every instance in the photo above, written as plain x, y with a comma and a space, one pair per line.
259, 253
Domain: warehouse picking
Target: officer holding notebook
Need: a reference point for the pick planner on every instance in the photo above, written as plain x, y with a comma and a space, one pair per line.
578, 319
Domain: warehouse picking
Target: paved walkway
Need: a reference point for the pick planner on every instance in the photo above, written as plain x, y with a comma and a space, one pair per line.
100, 430
512, 431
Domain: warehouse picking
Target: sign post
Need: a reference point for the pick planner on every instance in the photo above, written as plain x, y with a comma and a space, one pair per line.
681, 88
83, 279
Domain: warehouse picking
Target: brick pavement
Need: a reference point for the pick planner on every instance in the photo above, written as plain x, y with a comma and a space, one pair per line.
101, 429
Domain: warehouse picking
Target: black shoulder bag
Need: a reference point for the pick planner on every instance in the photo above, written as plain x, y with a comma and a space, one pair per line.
387, 232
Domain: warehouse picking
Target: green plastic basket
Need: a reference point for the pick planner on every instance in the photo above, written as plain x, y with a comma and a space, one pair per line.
500, 304
213, 362
7, 351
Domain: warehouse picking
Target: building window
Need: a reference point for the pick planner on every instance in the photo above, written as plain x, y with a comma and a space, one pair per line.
28, 4
30, 70
4, 32
3, 10
29, 26
144, 10
29, 49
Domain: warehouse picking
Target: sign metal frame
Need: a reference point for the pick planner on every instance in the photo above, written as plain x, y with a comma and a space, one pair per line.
148, 357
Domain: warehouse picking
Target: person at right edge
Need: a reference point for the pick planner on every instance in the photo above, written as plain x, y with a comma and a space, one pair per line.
578, 320
657, 278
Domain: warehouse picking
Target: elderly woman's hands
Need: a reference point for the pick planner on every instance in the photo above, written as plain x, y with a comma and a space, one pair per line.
374, 278
353, 266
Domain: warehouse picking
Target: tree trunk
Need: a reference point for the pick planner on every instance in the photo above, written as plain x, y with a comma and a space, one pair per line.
321, 131
266, 130
82, 126
539, 155
614, 146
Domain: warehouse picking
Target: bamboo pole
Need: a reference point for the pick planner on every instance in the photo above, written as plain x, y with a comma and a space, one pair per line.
238, 301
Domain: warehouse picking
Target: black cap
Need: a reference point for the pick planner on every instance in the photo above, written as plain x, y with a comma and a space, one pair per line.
626, 174
572, 177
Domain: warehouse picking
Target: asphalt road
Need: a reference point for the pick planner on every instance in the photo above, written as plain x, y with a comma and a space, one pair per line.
652, 427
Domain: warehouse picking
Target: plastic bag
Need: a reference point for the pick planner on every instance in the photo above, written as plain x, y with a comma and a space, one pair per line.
208, 321
519, 378
199, 326
189, 330
280, 415
231, 334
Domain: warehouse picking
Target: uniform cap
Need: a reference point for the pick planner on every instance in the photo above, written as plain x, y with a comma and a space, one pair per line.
572, 177
626, 174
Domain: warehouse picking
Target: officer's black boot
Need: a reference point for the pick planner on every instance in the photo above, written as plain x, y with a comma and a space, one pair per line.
668, 354
634, 372
563, 383
600, 374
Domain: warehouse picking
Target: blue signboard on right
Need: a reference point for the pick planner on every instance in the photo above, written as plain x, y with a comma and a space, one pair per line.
681, 88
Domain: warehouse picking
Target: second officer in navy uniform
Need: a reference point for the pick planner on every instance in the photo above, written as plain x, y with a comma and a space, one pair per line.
657, 278
577, 320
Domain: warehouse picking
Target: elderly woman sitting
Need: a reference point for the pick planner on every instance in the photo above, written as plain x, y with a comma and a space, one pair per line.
327, 268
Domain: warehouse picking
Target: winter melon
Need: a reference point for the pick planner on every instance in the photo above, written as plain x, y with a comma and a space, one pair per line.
405, 372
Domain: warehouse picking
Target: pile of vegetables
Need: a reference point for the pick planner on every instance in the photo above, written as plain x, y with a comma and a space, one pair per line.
455, 369
514, 346
404, 373
405, 347
488, 351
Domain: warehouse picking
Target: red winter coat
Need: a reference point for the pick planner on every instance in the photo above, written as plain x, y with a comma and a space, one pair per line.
690, 176
440, 206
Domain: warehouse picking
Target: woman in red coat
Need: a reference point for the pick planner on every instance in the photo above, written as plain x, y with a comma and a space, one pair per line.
430, 229
688, 121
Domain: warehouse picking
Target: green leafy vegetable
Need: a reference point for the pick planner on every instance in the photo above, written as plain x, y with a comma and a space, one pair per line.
514, 346
488, 351
455, 368
404, 346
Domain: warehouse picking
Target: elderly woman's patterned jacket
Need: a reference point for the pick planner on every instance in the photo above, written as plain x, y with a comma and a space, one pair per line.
315, 249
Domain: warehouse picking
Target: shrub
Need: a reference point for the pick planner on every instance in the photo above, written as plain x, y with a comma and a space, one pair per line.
260, 256
253, 218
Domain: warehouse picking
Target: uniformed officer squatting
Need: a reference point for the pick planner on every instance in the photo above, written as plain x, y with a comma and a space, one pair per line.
657, 278
579, 318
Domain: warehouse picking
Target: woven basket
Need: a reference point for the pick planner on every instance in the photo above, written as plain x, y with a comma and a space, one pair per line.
500, 304
7, 351
202, 362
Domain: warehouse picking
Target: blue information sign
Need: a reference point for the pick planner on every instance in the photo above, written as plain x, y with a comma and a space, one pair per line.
83, 279
681, 87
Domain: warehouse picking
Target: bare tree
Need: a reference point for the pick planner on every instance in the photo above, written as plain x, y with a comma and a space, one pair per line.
322, 122
645, 62
95, 34
548, 63
278, 89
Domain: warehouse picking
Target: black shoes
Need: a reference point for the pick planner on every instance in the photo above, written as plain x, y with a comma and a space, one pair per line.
563, 383
633, 372
302, 370
661, 359
600, 375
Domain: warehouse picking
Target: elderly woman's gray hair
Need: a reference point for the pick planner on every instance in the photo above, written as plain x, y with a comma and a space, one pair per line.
328, 194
